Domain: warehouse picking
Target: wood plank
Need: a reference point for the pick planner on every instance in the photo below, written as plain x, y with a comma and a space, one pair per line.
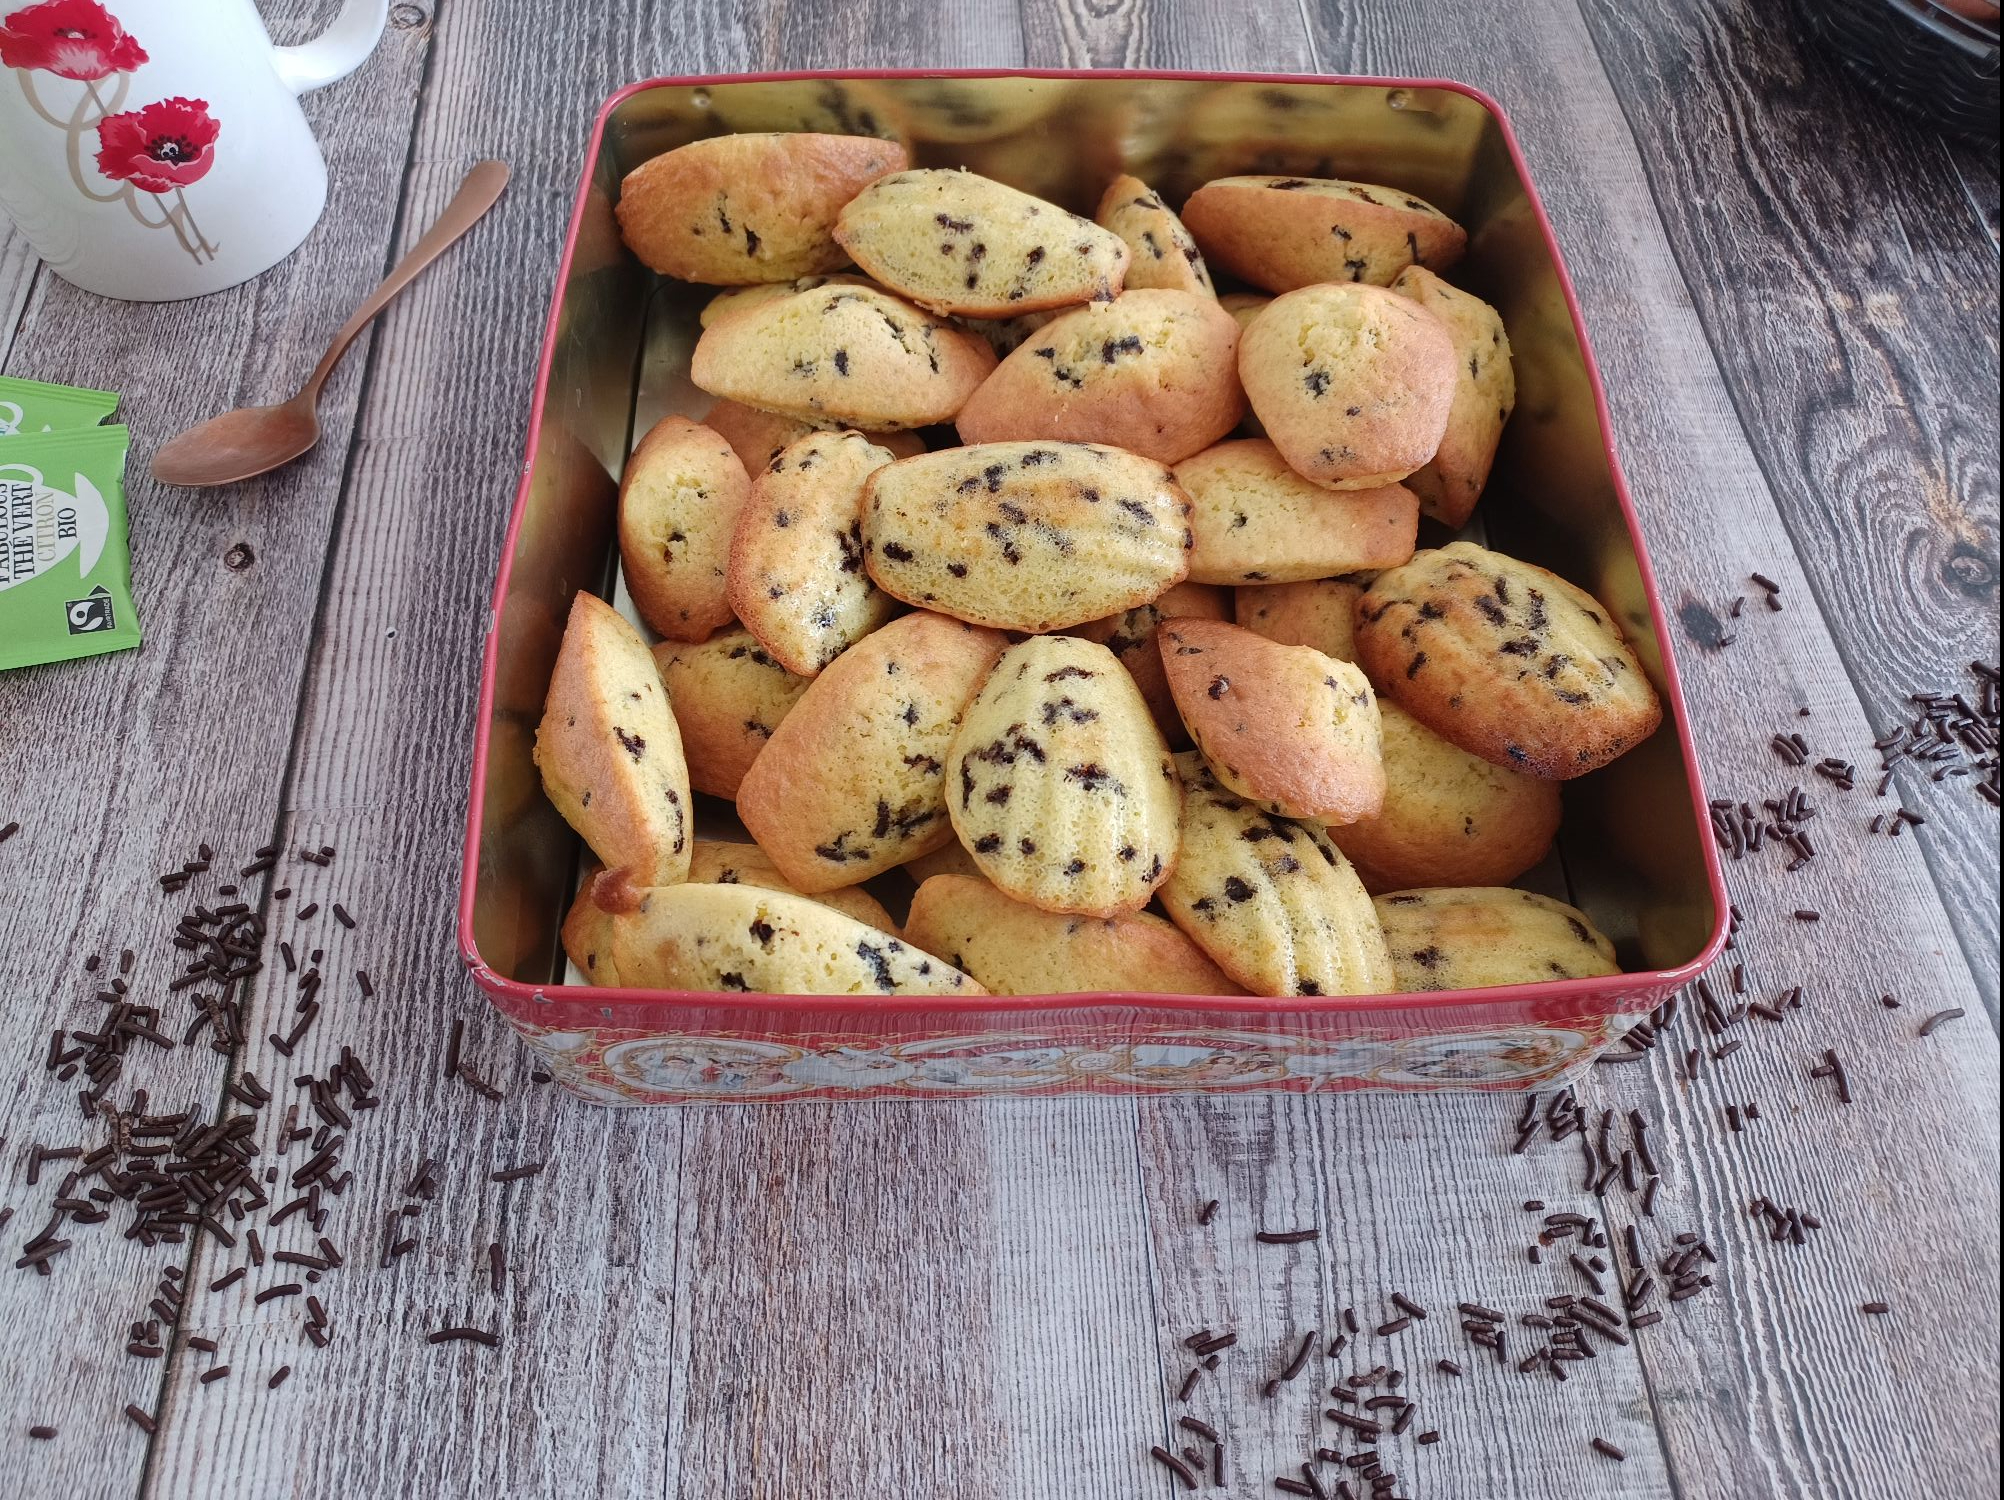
786, 1283
1763, 1390
115, 767
1861, 362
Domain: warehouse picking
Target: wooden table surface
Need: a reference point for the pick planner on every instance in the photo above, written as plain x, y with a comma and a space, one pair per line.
1794, 296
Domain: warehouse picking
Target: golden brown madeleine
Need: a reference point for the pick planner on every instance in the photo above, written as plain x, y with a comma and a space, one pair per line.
747, 939
1130, 636
587, 929
1506, 660
1291, 729
1012, 948
1318, 612
1272, 901
854, 779
604, 896
956, 242
796, 572
729, 694
842, 355
737, 299
1485, 392
720, 862
1026, 536
1161, 251
758, 436
1353, 383
1471, 937
1059, 783
735, 209
1153, 372
678, 505
1288, 232
609, 751
1257, 521
1449, 818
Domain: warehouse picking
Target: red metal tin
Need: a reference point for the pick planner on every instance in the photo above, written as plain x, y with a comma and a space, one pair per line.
1636, 852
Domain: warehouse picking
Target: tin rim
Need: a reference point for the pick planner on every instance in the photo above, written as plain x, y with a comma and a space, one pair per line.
1627, 985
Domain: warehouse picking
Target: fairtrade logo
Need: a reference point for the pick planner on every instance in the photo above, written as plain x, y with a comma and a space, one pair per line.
90, 613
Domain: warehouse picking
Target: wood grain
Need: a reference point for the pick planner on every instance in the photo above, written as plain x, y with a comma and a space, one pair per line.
115, 766
1734, 1422
1900, 301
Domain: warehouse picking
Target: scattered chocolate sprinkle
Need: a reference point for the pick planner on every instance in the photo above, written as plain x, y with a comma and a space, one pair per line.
464, 1335
1941, 1018
1173, 1464
1287, 1236
1208, 1212
140, 1419
1603, 1446
278, 1377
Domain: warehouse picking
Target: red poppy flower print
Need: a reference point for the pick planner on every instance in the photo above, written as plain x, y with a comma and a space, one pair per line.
164, 146
76, 39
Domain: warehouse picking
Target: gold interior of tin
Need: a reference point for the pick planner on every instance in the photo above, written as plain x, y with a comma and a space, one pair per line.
1630, 851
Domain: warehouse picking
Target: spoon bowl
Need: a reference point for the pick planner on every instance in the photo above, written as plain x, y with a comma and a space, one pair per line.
257, 439
239, 444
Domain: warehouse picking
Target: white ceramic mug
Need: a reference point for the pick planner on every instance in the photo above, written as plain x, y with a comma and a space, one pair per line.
155, 149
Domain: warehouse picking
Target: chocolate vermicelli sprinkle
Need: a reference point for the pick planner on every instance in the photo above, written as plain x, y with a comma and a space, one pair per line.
1941, 1018
42, 1432
140, 1419
1203, 1430
464, 1335
1189, 1384
210, 1377
516, 1174
278, 1377
1405, 1304
1174, 1465
1287, 1236
1876, 1309
1208, 1212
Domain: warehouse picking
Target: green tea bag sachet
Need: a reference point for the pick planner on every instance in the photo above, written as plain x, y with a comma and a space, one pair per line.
65, 561
29, 406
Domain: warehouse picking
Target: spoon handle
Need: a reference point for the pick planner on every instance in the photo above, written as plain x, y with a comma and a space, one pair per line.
476, 195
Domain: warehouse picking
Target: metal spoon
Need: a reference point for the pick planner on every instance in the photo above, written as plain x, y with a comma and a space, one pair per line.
255, 439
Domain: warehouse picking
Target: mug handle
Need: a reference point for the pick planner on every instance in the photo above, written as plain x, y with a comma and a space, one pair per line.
337, 51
